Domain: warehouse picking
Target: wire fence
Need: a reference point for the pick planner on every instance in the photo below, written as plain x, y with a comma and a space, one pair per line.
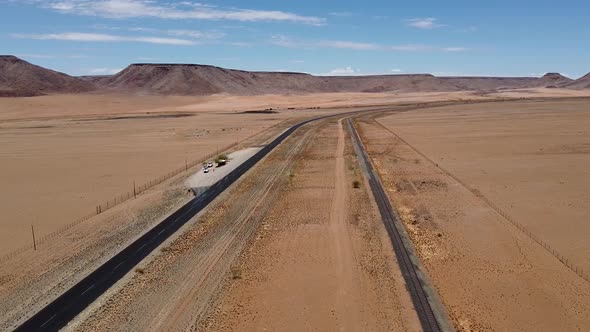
117, 200
137, 190
584, 274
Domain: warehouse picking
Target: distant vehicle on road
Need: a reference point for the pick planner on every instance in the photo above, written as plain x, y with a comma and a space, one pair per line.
210, 164
206, 170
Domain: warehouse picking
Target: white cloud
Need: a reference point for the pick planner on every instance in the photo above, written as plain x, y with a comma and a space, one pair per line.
454, 49
284, 41
348, 71
35, 56
397, 71
469, 29
341, 14
98, 37
104, 71
196, 34
424, 23
144, 58
173, 11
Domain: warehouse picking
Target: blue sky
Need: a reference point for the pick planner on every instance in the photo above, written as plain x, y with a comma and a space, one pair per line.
461, 37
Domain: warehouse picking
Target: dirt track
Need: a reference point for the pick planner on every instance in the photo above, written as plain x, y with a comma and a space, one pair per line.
345, 273
214, 241
322, 259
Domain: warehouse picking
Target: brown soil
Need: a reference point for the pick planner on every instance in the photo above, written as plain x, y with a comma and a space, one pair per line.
46, 139
32, 278
173, 291
490, 275
70, 153
531, 159
68, 166
322, 260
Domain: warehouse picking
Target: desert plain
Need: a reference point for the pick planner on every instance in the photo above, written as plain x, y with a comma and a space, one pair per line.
458, 175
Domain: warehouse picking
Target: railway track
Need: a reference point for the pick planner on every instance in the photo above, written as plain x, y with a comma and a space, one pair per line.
430, 319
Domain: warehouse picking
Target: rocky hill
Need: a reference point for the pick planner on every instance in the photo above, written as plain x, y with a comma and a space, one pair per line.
579, 84
189, 79
19, 78
553, 80
185, 79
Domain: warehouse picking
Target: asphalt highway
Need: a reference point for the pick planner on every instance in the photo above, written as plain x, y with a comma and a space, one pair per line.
416, 287
62, 310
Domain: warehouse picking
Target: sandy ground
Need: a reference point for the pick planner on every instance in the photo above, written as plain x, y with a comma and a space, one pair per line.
532, 159
32, 278
56, 171
67, 154
180, 283
322, 260
489, 274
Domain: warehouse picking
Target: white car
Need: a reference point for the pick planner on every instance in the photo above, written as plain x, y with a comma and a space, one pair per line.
210, 164
206, 170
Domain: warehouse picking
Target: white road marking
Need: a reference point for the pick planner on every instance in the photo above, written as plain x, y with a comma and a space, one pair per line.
118, 265
49, 320
87, 289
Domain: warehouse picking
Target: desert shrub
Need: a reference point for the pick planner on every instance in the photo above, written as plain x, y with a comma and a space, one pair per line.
236, 273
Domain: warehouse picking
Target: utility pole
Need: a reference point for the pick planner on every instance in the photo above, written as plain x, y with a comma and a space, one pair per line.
34, 241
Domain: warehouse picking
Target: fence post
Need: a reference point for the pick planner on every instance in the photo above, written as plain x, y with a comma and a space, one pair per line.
134, 190
34, 241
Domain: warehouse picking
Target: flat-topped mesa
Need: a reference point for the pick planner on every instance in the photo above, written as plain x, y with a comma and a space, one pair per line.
196, 79
486, 83
19, 78
205, 67
553, 80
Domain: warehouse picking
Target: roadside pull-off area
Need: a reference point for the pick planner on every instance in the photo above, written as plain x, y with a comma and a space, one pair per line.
201, 181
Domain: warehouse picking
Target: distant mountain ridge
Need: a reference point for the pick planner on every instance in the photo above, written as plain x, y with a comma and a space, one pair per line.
579, 84
20, 78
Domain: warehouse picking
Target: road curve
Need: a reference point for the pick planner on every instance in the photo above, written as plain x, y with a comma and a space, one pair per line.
62, 310
417, 289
